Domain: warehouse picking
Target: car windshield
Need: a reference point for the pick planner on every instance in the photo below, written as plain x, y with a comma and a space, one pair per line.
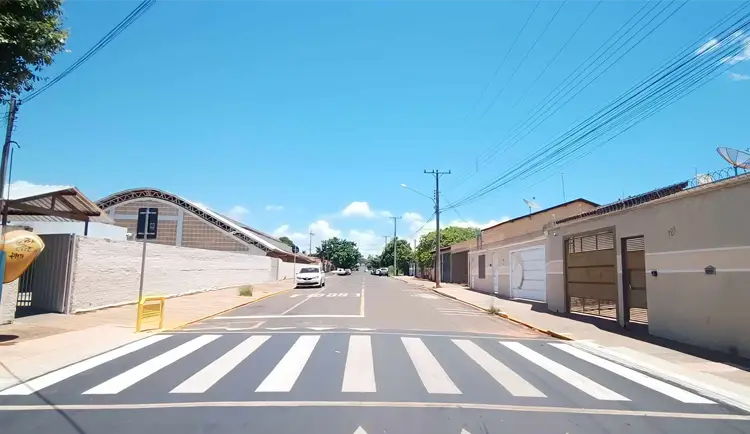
309, 270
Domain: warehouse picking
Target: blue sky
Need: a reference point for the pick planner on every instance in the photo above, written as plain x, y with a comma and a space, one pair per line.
308, 115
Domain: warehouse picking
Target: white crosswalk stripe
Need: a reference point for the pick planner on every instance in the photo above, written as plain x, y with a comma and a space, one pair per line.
513, 382
285, 374
55, 377
208, 376
132, 376
637, 377
433, 377
568, 375
426, 354
359, 372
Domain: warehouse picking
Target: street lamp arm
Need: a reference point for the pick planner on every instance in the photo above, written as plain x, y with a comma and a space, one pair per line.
418, 192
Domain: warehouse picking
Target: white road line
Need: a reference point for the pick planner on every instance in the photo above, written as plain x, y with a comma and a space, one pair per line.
55, 377
568, 375
359, 372
362, 303
507, 378
208, 376
286, 372
134, 375
635, 376
303, 300
433, 377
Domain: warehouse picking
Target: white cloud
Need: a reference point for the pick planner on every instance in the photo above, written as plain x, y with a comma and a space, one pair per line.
238, 212
473, 224
738, 38
274, 207
368, 242
323, 230
358, 209
738, 77
24, 189
284, 231
362, 209
708, 46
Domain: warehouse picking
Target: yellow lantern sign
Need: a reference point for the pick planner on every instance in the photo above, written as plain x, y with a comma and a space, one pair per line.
21, 248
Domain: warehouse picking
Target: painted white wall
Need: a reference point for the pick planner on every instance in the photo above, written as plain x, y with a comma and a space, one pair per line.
96, 229
286, 270
107, 273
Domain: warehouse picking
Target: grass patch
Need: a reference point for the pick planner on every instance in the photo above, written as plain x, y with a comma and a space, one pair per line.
493, 310
245, 291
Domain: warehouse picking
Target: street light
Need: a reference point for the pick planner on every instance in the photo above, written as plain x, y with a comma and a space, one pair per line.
418, 192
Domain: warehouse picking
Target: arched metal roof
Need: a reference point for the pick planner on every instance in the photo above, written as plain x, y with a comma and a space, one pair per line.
213, 218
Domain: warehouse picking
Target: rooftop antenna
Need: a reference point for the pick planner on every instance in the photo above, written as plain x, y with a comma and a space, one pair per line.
531, 204
738, 159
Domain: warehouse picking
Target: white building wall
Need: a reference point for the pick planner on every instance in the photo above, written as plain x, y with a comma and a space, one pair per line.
96, 229
8, 302
107, 272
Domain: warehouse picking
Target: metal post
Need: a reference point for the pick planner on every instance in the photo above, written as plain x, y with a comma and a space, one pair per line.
309, 249
143, 257
395, 243
3, 165
438, 259
562, 180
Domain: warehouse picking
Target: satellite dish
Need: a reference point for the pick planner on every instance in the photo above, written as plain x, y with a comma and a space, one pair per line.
531, 204
735, 157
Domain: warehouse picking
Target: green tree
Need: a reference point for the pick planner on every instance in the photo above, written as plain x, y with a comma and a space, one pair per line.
342, 253
31, 34
448, 236
404, 255
288, 242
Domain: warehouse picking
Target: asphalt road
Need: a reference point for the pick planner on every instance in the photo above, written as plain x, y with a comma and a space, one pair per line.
364, 355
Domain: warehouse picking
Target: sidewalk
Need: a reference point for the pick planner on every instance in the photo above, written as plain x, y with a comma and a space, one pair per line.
716, 375
38, 344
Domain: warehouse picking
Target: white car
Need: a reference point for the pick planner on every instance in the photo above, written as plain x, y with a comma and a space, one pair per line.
310, 276
341, 272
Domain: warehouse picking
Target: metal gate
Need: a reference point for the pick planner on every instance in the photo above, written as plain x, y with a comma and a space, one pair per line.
634, 268
528, 274
45, 285
591, 274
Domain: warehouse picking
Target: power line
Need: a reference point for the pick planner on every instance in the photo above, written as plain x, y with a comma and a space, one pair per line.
673, 82
513, 74
573, 77
126, 22
505, 57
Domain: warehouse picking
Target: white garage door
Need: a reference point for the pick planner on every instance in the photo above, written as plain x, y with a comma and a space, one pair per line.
528, 274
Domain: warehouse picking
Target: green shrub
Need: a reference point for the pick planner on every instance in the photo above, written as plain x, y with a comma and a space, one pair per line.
245, 291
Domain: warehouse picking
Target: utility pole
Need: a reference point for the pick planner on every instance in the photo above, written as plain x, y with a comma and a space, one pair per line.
6, 151
309, 250
395, 243
438, 261
415, 258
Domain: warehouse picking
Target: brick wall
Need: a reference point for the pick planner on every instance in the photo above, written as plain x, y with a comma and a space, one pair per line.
107, 273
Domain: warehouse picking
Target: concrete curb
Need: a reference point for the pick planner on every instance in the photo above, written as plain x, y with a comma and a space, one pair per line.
716, 393
503, 315
223, 311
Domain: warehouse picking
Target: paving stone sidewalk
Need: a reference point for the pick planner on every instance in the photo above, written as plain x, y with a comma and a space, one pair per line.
38, 344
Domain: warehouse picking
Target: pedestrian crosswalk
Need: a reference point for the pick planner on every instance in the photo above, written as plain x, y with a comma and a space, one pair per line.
358, 363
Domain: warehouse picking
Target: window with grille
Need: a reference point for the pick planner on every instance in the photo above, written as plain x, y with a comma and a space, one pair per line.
481, 266
592, 243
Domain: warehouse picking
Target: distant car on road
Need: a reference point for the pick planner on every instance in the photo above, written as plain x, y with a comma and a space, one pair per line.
341, 272
310, 276
383, 272
348, 271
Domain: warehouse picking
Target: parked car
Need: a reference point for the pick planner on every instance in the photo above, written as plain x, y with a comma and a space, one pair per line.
341, 272
310, 276
376, 271
348, 271
384, 272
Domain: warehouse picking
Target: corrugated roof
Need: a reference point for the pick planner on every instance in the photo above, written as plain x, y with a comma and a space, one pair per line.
234, 228
629, 202
57, 203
